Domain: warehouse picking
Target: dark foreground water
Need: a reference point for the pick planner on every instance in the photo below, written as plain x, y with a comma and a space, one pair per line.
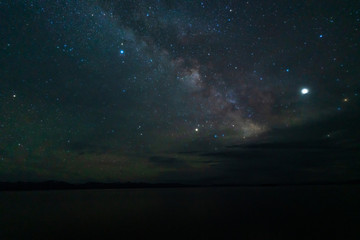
188, 213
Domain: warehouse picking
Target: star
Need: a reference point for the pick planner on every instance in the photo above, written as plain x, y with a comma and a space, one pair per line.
304, 91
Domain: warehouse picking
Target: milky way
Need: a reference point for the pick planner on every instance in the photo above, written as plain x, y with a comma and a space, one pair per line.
119, 90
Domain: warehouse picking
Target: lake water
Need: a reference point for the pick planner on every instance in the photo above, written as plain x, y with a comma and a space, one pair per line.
183, 213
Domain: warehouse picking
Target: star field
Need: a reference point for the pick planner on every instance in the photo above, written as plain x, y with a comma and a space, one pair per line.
108, 90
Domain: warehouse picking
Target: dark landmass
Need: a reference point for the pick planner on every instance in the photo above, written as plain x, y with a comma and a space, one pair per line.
58, 185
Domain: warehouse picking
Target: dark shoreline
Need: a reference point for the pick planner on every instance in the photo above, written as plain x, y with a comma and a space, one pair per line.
58, 185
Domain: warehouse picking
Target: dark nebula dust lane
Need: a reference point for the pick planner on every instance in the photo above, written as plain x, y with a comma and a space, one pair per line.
159, 91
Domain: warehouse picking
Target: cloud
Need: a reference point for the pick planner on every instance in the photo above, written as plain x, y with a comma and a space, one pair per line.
167, 162
323, 151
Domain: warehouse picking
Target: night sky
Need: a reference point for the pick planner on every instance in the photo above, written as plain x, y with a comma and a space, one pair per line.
179, 91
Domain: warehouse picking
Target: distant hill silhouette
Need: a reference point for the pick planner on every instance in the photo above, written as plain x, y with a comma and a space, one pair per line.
58, 185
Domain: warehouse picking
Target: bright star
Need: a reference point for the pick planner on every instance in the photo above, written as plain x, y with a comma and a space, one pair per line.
196, 129
304, 91
122, 51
